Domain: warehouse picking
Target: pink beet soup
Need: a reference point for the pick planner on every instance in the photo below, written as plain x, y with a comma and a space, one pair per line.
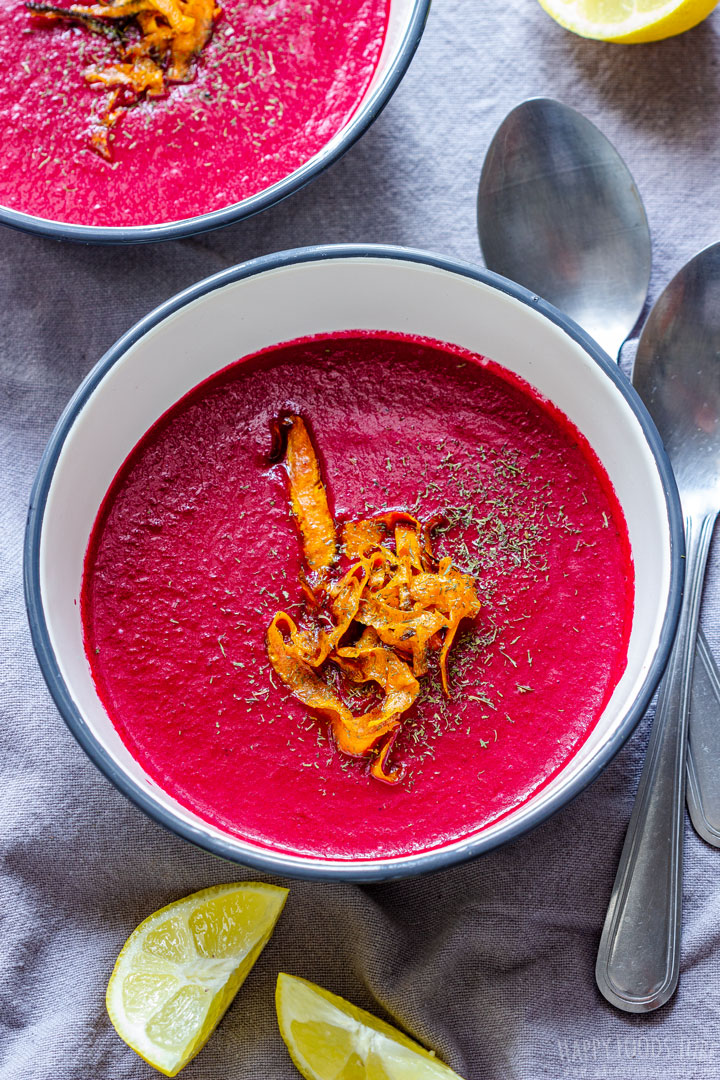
276, 82
195, 550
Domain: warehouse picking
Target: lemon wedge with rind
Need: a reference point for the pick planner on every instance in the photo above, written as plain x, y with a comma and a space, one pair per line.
330, 1039
181, 968
628, 21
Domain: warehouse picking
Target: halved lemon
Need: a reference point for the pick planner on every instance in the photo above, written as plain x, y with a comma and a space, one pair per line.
330, 1039
180, 969
628, 21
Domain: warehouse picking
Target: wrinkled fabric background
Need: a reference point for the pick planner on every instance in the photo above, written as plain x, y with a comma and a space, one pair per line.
491, 964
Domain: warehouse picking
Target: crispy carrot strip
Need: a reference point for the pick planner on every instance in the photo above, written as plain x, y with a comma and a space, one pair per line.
142, 76
308, 496
156, 38
452, 593
180, 20
124, 9
345, 599
188, 43
299, 677
311, 649
359, 538
463, 603
314, 648
369, 661
408, 555
379, 768
52, 13
407, 631
355, 735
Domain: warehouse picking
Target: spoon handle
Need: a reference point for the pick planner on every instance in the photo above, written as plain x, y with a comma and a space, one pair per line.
703, 755
638, 959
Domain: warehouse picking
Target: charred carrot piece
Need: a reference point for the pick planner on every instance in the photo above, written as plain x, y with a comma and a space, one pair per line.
142, 76
124, 9
292, 440
185, 46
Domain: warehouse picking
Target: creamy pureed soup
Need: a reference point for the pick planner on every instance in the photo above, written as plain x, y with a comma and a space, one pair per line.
195, 551
276, 81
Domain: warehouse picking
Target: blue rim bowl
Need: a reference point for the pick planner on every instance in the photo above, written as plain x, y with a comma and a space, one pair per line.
329, 274
369, 110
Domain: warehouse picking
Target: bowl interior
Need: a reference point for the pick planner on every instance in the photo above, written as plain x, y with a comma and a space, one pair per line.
159, 363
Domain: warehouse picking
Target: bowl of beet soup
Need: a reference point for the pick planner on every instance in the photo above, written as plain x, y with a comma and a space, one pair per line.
353, 562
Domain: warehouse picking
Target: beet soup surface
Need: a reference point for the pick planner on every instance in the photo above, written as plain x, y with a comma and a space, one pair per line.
276, 82
195, 550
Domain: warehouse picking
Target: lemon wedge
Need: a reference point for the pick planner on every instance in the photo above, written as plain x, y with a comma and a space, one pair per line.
330, 1039
628, 21
180, 969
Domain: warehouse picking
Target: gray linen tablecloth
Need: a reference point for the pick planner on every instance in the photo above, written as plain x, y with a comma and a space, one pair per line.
492, 963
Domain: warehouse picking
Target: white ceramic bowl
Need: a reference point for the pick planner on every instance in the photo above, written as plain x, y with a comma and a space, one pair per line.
297, 293
406, 22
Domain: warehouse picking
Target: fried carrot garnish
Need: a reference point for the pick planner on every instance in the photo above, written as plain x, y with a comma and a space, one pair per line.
388, 611
172, 35
292, 441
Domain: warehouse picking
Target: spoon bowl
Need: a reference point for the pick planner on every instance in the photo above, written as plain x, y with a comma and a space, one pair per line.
559, 212
677, 374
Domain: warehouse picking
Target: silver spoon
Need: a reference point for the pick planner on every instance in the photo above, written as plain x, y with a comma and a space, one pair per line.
677, 373
547, 172
559, 212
